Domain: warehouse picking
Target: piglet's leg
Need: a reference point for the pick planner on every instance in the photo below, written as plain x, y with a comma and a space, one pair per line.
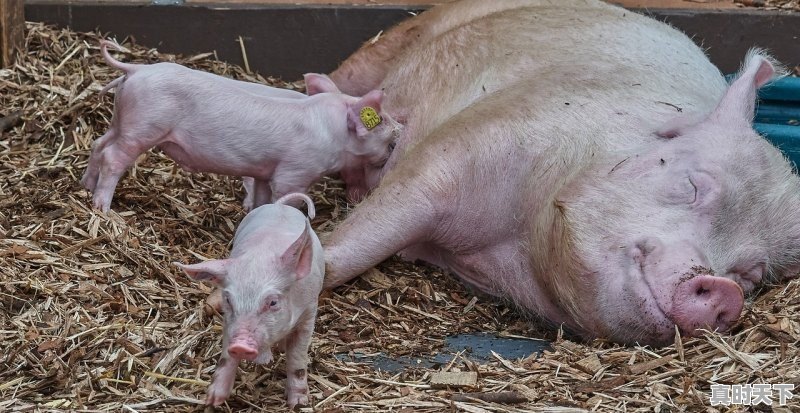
89, 180
222, 383
114, 162
287, 181
214, 300
261, 194
356, 182
297, 344
247, 184
397, 215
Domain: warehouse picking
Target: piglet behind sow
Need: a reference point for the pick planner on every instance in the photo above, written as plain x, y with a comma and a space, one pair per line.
213, 124
270, 283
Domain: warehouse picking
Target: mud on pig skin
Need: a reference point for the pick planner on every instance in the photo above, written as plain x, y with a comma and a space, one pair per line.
213, 124
270, 287
587, 162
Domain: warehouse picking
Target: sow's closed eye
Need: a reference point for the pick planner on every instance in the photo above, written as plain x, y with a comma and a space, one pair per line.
696, 189
707, 189
681, 190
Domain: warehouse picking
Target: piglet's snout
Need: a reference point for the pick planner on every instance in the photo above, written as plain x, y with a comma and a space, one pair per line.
707, 302
243, 348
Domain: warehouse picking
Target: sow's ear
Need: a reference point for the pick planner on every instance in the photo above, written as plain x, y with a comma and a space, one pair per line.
739, 102
319, 83
364, 115
213, 271
297, 258
737, 106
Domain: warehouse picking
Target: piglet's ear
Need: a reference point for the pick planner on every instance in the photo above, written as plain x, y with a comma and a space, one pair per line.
738, 104
364, 115
319, 83
297, 258
213, 271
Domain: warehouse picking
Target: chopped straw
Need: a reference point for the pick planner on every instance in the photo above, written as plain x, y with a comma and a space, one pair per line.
93, 316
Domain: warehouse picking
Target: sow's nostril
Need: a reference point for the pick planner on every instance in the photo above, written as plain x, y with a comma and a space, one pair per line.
242, 351
706, 302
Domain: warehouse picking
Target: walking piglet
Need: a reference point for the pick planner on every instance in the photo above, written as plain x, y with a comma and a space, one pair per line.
270, 285
212, 124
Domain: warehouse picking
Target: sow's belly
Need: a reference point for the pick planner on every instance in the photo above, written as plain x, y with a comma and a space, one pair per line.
478, 270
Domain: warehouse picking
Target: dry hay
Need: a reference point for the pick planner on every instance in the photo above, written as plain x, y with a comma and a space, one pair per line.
771, 4
94, 317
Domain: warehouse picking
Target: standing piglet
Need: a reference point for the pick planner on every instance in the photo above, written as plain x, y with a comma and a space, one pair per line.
352, 171
208, 123
270, 285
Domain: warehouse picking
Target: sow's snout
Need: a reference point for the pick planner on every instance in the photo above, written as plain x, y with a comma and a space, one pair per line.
706, 302
678, 276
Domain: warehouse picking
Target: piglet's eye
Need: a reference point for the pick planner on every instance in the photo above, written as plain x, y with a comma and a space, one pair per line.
271, 303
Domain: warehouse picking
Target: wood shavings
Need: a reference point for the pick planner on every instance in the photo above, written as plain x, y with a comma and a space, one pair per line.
93, 315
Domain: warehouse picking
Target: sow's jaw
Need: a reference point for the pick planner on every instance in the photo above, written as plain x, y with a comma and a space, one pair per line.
675, 234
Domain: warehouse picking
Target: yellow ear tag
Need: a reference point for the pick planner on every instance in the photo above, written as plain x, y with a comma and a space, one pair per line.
370, 118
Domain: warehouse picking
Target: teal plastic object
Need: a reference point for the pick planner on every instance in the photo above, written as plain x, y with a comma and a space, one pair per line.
778, 115
785, 137
785, 89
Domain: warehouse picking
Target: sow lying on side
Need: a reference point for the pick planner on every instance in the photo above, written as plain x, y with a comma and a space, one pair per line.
587, 162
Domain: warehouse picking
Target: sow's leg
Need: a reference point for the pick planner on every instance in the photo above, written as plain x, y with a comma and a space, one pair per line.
366, 68
397, 215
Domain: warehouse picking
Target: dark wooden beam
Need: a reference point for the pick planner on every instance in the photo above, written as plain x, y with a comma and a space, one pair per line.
288, 40
12, 30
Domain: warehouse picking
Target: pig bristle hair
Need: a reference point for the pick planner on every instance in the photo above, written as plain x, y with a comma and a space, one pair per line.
304, 197
761, 53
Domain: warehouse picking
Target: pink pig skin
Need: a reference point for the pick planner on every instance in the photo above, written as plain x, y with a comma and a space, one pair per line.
354, 174
271, 283
584, 161
213, 124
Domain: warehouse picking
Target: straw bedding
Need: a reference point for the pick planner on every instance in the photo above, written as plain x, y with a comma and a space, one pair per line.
93, 317
772, 4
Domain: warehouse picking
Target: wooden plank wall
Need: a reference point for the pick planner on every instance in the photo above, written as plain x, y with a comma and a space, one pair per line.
638, 4
288, 40
12, 30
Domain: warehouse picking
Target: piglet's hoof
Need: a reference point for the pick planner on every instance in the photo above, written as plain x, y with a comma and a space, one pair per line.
216, 395
298, 397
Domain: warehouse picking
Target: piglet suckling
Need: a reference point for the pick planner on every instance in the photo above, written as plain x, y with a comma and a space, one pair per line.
270, 285
214, 124
354, 166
